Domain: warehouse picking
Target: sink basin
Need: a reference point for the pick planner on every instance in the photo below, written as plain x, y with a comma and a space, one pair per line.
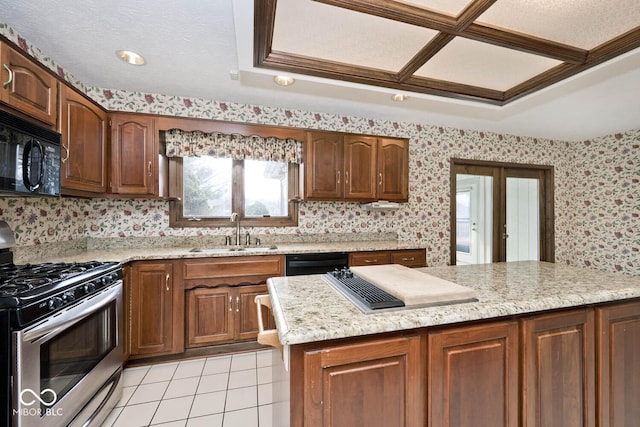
236, 249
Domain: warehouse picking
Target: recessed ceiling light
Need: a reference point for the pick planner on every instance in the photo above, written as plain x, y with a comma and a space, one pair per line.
130, 57
284, 80
398, 97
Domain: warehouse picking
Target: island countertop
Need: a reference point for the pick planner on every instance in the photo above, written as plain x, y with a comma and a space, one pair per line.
306, 309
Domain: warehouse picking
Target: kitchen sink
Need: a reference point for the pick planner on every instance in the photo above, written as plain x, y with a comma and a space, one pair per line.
236, 249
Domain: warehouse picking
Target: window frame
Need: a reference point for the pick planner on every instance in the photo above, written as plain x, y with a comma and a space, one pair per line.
177, 220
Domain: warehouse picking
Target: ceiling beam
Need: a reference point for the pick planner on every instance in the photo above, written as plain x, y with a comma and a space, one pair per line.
264, 17
426, 53
283, 61
397, 11
525, 43
466, 17
464, 27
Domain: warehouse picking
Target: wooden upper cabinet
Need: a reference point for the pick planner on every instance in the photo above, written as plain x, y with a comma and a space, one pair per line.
354, 167
323, 166
27, 87
393, 170
83, 126
558, 372
360, 162
134, 154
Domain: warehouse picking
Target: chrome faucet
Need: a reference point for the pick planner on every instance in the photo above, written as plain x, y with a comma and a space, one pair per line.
236, 219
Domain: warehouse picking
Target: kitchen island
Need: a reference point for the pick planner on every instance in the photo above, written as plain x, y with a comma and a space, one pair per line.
545, 344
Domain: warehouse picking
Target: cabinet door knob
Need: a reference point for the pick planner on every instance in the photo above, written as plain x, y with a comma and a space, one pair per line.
338, 177
230, 303
8, 82
346, 177
237, 304
149, 168
166, 281
408, 259
380, 178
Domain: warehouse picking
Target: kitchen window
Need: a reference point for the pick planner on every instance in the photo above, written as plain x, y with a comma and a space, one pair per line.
209, 188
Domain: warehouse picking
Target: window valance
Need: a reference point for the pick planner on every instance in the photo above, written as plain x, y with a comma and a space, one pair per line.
181, 143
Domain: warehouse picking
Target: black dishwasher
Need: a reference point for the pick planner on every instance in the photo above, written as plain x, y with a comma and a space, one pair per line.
314, 263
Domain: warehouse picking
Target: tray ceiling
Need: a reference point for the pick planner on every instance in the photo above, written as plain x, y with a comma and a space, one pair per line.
493, 51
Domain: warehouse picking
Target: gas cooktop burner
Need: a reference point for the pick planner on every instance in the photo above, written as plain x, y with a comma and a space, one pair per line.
31, 279
14, 289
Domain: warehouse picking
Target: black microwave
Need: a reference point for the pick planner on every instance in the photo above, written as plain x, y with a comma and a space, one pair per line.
29, 158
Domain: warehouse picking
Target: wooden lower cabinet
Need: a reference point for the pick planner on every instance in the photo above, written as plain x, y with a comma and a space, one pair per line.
472, 376
220, 297
157, 314
368, 383
406, 257
618, 371
409, 257
558, 371
224, 314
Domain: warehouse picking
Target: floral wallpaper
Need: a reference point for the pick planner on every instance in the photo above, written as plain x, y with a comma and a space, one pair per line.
597, 196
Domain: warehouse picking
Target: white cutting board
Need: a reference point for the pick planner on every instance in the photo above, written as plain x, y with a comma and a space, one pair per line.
413, 287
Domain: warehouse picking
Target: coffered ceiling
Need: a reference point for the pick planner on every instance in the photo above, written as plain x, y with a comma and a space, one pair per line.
491, 51
343, 59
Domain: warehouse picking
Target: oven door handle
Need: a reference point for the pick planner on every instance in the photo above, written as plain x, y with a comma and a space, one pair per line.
73, 315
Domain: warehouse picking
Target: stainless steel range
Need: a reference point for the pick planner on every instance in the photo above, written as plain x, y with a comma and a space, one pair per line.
60, 340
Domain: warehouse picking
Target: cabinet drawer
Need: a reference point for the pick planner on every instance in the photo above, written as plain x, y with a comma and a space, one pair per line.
369, 258
231, 270
410, 257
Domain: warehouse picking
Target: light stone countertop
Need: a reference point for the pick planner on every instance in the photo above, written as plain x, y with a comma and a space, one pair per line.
124, 255
307, 309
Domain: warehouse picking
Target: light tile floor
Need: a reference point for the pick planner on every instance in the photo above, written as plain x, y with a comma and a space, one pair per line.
220, 391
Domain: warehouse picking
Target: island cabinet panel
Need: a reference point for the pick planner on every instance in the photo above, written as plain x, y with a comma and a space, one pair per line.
27, 87
156, 320
472, 376
372, 383
558, 371
134, 155
83, 126
618, 336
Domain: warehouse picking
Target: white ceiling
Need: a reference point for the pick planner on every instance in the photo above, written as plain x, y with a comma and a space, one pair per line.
192, 47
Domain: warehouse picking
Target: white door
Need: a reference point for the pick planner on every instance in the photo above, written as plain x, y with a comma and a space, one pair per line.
474, 215
523, 219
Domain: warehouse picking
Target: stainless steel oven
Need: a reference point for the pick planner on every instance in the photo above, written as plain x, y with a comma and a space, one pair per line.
67, 367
